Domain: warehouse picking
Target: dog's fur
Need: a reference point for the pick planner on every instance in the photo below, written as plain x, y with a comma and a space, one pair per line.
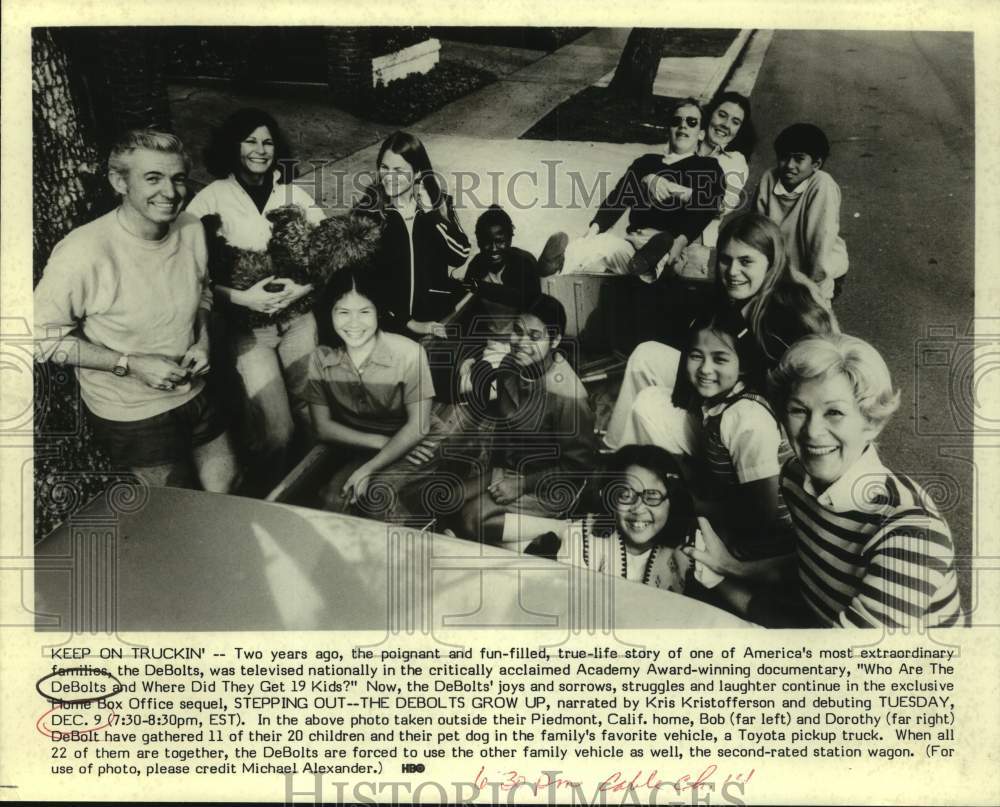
232, 266
298, 250
289, 244
340, 241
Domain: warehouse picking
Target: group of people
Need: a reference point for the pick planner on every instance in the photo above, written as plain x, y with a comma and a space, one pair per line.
738, 465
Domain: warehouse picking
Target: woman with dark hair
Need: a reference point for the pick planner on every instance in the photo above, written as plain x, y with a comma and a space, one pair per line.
729, 125
370, 392
754, 280
271, 325
730, 137
421, 238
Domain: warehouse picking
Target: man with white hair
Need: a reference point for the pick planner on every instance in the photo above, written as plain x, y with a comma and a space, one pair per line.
125, 299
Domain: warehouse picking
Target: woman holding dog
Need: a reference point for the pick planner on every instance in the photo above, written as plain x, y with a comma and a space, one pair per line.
271, 327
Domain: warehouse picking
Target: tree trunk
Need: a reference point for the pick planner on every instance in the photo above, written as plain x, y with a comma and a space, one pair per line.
66, 171
349, 65
68, 186
637, 67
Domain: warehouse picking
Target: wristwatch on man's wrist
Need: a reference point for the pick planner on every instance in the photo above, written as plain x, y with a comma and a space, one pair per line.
121, 366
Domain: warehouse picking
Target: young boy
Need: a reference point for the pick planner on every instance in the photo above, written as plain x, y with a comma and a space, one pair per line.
670, 198
543, 436
504, 277
505, 280
804, 201
872, 548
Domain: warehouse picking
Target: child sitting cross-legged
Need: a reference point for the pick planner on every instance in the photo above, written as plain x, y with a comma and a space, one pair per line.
872, 549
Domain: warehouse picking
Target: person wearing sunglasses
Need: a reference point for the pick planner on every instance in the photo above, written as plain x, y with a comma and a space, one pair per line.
670, 196
647, 520
730, 138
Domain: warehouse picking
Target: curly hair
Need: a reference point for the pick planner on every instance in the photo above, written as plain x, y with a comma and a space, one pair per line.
494, 216
339, 241
821, 355
222, 155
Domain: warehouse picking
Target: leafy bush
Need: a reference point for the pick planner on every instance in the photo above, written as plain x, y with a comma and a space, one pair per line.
405, 100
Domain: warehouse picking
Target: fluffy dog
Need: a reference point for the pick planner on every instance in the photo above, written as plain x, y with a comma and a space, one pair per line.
298, 250
341, 241
289, 244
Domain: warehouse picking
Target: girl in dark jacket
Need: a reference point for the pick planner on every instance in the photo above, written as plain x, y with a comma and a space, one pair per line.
421, 238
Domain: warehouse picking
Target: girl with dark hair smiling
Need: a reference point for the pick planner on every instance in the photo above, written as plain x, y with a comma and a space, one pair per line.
370, 393
754, 281
722, 429
647, 521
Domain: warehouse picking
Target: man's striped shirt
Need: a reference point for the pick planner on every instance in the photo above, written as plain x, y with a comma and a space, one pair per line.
872, 549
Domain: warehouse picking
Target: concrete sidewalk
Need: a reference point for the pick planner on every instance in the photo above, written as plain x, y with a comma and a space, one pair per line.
508, 108
501, 112
693, 76
531, 84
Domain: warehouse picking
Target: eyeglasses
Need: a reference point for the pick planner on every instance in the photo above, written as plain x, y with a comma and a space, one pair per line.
533, 335
651, 498
691, 122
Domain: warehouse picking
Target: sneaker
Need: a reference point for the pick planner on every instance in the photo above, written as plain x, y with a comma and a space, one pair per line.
646, 259
550, 261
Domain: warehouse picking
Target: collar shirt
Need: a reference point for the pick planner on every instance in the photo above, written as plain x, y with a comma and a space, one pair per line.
872, 549
791, 193
374, 396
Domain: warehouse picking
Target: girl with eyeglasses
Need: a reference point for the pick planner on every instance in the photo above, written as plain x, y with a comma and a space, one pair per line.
646, 521
726, 436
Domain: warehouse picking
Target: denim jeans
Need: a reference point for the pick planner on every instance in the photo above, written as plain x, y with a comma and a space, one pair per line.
273, 362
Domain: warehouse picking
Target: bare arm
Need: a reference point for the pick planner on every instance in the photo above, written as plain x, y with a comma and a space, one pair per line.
418, 418
150, 368
195, 359
329, 430
418, 423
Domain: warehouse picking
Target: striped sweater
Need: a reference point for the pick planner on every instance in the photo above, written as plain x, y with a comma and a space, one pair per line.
872, 549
